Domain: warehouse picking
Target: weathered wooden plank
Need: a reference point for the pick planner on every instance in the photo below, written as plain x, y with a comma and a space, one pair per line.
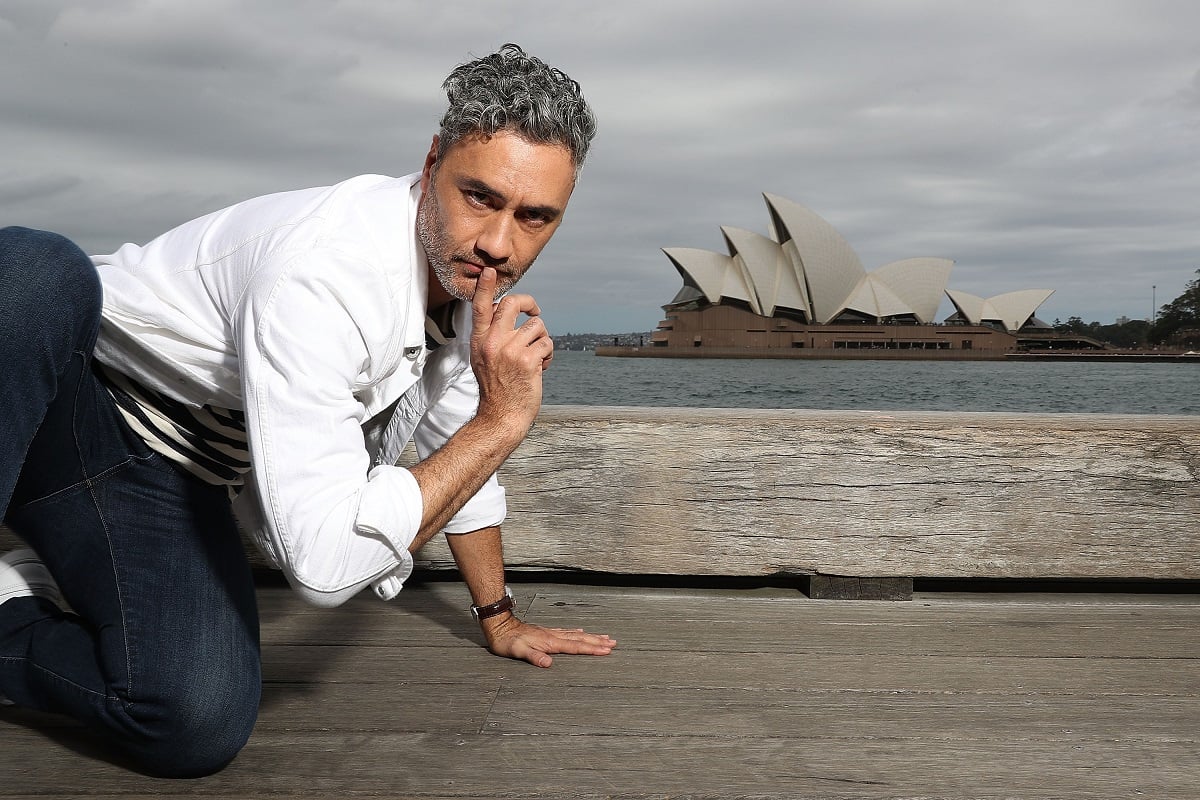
392, 717
869, 494
794, 628
414, 618
723, 603
407, 670
799, 626
621, 711
725, 622
446, 609
791, 621
515, 709
300, 794
399, 706
450, 707
634, 668
854, 494
555, 766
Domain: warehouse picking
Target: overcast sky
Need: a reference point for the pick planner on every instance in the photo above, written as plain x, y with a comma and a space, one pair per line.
1038, 144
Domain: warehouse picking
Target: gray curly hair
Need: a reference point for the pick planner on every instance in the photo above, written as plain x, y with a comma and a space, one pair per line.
512, 90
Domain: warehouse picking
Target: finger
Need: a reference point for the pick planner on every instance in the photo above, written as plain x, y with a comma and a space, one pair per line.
580, 644
534, 655
533, 329
482, 302
580, 633
537, 351
572, 648
512, 305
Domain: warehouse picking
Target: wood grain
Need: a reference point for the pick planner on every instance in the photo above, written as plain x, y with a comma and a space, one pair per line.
866, 494
761, 694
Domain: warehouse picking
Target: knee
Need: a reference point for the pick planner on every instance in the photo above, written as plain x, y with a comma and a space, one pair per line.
201, 732
48, 274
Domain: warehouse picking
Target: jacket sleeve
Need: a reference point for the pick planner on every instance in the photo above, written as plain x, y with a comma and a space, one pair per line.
310, 331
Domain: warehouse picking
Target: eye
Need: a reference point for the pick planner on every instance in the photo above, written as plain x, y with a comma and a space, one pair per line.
535, 219
477, 198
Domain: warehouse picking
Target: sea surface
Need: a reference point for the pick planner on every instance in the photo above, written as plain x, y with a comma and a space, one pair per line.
581, 377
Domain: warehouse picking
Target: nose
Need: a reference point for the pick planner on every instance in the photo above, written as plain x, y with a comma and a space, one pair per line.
495, 240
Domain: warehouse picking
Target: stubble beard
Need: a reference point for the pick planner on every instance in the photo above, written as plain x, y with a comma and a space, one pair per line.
431, 233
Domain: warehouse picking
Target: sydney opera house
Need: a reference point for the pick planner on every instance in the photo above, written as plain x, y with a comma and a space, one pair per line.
803, 291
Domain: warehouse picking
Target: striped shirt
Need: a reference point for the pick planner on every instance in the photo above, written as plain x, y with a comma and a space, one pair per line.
210, 442
439, 326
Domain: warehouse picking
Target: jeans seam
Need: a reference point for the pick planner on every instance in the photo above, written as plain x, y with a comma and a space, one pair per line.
91, 488
88, 482
59, 678
120, 594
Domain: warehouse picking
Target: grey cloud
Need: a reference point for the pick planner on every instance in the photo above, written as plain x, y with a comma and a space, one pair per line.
21, 190
1037, 144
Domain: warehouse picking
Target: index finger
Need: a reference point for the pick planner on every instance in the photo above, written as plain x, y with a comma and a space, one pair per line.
483, 300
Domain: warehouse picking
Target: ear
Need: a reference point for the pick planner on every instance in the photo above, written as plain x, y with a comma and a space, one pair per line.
430, 160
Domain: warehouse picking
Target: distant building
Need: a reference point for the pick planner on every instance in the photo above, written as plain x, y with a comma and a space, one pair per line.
804, 287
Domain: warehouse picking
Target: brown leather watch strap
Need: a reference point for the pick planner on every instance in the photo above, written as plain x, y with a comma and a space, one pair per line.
493, 609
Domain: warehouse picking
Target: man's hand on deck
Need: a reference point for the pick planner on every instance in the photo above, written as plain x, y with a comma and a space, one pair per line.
513, 638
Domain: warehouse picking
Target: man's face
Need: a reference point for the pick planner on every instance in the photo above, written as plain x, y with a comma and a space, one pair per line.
491, 202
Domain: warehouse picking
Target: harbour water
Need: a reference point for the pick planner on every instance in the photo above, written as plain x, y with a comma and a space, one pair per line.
581, 377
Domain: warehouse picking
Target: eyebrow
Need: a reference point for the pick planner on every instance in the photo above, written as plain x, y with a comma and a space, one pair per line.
476, 185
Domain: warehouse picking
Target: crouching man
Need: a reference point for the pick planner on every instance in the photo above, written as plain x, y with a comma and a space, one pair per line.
285, 350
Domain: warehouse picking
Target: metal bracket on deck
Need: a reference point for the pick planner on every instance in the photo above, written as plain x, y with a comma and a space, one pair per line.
844, 587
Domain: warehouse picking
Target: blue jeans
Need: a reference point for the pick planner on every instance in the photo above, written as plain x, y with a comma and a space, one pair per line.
159, 652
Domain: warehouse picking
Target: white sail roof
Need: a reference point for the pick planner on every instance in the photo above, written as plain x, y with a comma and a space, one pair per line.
1012, 309
775, 281
831, 268
918, 282
806, 266
715, 274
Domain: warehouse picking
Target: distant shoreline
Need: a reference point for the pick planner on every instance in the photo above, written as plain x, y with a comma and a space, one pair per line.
633, 351
1128, 357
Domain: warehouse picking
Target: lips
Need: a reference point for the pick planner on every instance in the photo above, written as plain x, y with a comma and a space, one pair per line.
473, 271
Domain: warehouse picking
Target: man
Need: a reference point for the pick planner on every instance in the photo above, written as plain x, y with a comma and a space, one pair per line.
283, 350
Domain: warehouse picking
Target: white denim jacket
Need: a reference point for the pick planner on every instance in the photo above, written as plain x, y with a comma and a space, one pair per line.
306, 309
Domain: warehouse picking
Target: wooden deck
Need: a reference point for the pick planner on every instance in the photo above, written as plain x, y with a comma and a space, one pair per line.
714, 693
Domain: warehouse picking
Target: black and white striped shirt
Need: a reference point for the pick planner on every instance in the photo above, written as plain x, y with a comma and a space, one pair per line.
210, 442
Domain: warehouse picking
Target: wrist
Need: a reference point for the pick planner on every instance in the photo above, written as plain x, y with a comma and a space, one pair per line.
506, 426
500, 607
494, 628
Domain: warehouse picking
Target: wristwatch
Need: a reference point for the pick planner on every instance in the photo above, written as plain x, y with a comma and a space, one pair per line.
492, 609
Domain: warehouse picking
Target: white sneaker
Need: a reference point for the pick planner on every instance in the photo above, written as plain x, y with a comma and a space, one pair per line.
22, 574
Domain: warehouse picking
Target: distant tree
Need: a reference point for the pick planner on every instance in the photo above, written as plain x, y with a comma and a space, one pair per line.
1178, 321
1073, 325
1130, 335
